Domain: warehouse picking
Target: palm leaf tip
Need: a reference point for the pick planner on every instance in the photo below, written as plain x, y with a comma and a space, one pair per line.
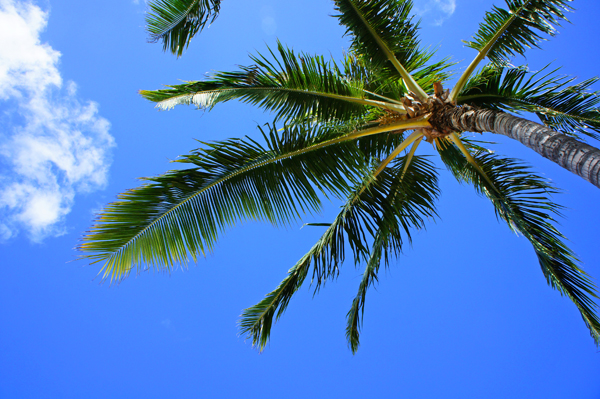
175, 22
256, 322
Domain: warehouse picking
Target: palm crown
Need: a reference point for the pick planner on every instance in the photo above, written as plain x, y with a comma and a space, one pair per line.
350, 130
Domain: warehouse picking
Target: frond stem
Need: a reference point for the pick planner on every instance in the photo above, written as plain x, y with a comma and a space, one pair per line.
410, 155
401, 147
384, 97
164, 104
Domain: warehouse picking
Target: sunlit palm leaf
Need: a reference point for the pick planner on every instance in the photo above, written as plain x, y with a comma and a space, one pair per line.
181, 213
175, 22
291, 85
561, 105
379, 81
383, 32
504, 33
385, 207
357, 68
521, 199
433, 72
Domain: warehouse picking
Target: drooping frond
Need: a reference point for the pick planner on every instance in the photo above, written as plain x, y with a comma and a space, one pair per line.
561, 105
506, 33
175, 22
411, 195
382, 31
521, 199
388, 206
290, 85
354, 317
181, 213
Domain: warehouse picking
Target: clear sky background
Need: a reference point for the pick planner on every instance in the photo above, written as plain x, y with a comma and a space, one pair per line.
465, 313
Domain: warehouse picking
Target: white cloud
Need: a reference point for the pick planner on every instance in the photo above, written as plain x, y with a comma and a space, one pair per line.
446, 6
52, 146
437, 11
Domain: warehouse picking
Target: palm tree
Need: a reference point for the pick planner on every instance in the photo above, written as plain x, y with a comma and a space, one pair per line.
351, 130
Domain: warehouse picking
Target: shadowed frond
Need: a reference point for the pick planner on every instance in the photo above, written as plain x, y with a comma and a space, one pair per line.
181, 213
561, 105
290, 85
175, 22
382, 31
521, 199
387, 207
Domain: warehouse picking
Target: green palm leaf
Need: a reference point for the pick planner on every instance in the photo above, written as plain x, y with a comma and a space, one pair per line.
383, 32
384, 207
505, 33
408, 202
181, 213
379, 82
521, 199
562, 106
175, 22
292, 86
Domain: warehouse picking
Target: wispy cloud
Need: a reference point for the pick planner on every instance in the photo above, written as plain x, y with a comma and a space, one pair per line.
436, 11
52, 146
267, 19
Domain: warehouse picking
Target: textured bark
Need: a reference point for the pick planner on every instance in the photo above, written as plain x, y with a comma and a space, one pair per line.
573, 155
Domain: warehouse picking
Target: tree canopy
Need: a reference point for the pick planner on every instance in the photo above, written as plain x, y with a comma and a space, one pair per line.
350, 130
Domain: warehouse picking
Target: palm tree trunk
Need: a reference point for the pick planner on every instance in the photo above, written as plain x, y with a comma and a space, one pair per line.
573, 155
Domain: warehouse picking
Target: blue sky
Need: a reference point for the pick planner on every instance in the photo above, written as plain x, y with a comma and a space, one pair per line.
466, 312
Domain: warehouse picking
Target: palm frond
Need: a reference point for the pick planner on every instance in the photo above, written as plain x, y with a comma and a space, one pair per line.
561, 105
383, 32
388, 206
505, 33
175, 22
433, 72
377, 146
181, 213
290, 85
521, 199
412, 193
359, 69
383, 83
